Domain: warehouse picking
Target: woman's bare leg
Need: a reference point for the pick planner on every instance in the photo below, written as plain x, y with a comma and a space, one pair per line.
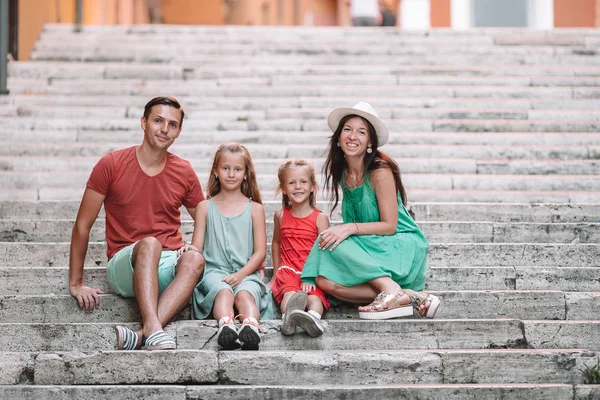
360, 294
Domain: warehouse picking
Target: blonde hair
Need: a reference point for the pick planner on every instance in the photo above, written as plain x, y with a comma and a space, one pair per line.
285, 200
249, 185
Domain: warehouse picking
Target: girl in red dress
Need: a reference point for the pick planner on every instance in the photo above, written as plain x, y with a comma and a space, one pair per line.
297, 225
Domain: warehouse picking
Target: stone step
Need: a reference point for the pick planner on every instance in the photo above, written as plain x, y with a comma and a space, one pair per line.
471, 304
11, 110
59, 230
339, 335
315, 151
268, 182
108, 70
440, 254
173, 55
416, 126
566, 35
130, 137
209, 88
408, 165
42, 280
325, 367
325, 392
393, 46
487, 212
417, 195
136, 102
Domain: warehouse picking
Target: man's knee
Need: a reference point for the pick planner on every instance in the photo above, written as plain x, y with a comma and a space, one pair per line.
192, 263
149, 246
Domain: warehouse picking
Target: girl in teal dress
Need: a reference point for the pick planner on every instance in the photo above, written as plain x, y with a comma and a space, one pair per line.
230, 231
379, 254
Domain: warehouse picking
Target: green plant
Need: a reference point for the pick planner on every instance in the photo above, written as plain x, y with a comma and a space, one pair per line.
591, 375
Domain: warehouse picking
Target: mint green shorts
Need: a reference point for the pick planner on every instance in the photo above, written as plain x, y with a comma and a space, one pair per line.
120, 270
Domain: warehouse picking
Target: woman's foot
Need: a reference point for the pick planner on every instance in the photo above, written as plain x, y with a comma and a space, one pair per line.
387, 305
425, 304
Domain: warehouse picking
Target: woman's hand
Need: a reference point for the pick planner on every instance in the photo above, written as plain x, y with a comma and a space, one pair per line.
233, 280
333, 236
306, 287
187, 247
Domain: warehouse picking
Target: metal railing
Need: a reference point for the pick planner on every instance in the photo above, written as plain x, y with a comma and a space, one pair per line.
3, 46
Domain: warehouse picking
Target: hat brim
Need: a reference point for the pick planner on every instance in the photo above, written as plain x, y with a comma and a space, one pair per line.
334, 118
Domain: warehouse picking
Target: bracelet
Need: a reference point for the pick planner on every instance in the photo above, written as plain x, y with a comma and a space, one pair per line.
356, 226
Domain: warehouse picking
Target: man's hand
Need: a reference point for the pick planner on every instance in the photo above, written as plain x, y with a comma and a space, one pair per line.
87, 297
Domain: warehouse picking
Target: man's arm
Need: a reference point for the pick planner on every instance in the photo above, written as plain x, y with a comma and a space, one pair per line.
88, 211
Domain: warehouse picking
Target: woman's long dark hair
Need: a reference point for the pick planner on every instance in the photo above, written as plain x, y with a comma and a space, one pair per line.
335, 164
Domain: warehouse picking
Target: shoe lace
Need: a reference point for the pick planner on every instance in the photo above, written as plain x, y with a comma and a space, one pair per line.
241, 317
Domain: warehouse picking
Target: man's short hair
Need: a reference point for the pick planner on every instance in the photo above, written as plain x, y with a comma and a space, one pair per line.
166, 101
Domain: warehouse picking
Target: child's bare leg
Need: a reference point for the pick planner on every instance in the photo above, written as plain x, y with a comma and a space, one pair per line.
249, 333
223, 312
223, 305
315, 304
284, 301
245, 304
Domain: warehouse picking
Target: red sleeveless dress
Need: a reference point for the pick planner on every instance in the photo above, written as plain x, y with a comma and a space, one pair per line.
297, 237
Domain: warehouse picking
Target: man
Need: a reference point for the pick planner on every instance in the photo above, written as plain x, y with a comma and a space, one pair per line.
143, 188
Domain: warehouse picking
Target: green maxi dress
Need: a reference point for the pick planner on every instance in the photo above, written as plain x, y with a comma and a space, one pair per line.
361, 258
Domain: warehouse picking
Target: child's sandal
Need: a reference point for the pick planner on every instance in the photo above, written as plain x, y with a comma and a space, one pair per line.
387, 305
431, 302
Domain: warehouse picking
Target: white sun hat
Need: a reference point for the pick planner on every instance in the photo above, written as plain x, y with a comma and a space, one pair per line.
364, 110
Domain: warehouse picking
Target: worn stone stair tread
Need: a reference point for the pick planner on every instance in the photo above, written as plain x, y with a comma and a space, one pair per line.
447, 254
423, 211
324, 367
302, 391
44, 280
493, 304
39, 230
340, 335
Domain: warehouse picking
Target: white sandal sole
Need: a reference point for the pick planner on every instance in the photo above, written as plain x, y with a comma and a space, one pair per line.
433, 306
406, 311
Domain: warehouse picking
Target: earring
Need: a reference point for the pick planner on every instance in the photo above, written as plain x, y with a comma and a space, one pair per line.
216, 176
369, 150
244, 178
338, 144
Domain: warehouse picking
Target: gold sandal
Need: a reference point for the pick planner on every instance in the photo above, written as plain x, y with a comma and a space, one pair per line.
432, 302
387, 305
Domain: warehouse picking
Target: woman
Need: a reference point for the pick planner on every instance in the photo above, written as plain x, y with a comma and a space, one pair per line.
379, 254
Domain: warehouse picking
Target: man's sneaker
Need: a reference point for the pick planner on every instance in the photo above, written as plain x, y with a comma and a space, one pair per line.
249, 334
227, 335
311, 324
298, 301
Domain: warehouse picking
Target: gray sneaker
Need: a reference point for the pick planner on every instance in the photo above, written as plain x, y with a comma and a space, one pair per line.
298, 301
312, 325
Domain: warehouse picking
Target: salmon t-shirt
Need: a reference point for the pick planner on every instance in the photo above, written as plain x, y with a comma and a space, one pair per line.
137, 205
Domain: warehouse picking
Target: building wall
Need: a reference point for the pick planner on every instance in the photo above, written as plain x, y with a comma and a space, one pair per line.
575, 13
440, 13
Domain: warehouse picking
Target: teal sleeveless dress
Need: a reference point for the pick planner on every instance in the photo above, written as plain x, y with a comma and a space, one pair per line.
228, 244
361, 258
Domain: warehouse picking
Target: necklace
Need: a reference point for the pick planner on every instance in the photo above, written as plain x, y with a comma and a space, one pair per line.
355, 185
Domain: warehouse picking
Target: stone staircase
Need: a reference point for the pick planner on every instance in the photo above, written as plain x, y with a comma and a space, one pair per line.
496, 133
